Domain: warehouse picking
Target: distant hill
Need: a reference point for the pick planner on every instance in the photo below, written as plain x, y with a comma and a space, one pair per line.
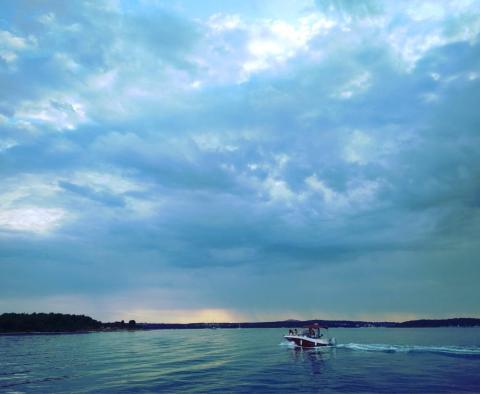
460, 322
456, 322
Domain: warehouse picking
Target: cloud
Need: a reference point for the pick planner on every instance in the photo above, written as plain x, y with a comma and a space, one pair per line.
84, 191
212, 157
31, 219
11, 45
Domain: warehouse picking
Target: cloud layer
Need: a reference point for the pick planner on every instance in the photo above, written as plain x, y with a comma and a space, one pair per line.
165, 160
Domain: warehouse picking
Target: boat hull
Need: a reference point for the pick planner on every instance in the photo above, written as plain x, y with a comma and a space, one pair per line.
307, 342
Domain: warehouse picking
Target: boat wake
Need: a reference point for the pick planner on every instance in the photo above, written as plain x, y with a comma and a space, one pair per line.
287, 344
466, 351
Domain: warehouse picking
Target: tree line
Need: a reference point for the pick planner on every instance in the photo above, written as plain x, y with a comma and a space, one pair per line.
55, 322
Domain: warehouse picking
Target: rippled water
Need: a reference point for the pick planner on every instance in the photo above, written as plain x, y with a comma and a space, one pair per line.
242, 361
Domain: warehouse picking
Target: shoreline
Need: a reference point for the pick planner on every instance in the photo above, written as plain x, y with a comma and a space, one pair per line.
57, 323
24, 333
50, 333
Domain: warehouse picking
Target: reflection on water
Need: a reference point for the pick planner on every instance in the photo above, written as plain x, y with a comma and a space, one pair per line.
309, 357
241, 361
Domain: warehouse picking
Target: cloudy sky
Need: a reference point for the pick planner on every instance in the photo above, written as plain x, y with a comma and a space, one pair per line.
240, 160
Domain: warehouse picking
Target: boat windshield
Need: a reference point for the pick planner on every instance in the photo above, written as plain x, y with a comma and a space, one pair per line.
311, 332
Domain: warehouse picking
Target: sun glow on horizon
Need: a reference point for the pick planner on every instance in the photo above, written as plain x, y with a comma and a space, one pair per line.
207, 315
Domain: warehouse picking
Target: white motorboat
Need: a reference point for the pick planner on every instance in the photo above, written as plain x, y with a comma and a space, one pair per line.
309, 336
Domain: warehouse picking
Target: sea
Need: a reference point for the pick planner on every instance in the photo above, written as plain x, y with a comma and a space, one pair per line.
365, 360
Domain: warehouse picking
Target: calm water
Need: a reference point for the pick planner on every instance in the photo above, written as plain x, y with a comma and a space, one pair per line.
441, 360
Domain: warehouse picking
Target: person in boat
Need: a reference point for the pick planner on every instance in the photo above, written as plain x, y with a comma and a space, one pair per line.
290, 332
295, 331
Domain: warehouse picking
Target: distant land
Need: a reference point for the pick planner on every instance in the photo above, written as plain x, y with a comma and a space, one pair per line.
455, 322
56, 322
65, 323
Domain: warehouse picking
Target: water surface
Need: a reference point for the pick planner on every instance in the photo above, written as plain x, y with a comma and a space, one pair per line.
384, 360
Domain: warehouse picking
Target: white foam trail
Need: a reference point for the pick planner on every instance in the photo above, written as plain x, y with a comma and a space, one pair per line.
453, 350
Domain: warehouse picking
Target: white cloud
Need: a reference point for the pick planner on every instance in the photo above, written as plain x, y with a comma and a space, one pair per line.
274, 185
9, 40
103, 80
106, 181
26, 188
421, 11
22, 205
6, 144
355, 86
411, 47
142, 207
328, 194
425, 27
221, 22
215, 142
278, 189
32, 219
272, 43
58, 112
358, 195
472, 76
268, 44
359, 148
66, 61
257, 45
47, 19
11, 45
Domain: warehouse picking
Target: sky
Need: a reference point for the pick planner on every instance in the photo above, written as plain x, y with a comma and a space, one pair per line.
181, 161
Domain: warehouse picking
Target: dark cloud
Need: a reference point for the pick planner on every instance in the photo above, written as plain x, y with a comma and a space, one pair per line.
87, 192
141, 151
